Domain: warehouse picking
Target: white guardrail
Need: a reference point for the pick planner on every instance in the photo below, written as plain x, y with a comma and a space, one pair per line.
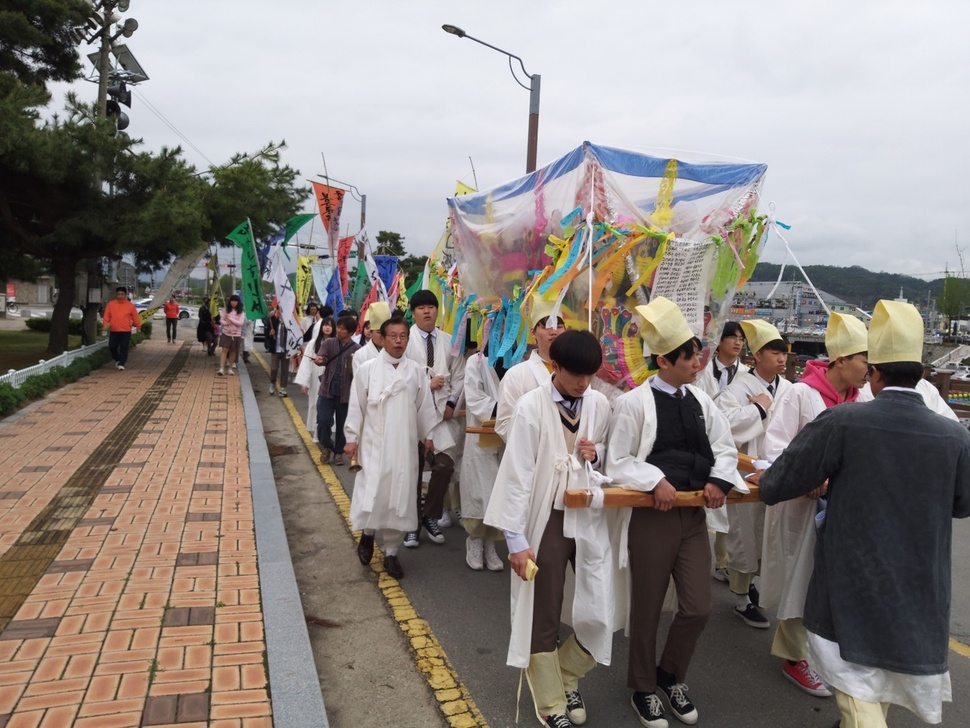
16, 377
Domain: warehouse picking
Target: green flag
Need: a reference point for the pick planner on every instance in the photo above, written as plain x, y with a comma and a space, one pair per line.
361, 288
242, 236
294, 224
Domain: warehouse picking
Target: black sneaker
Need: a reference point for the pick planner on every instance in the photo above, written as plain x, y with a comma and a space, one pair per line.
649, 710
754, 596
557, 721
679, 701
431, 526
411, 540
575, 708
752, 616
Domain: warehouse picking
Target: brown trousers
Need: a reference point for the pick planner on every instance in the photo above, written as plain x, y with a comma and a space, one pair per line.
554, 553
664, 544
441, 472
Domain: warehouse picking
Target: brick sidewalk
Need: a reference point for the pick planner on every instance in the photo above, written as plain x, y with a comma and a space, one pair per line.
129, 590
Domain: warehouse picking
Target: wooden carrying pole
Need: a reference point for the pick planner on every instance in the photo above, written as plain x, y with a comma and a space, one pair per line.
614, 497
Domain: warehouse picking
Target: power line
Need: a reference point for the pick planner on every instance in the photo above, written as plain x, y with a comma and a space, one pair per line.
151, 107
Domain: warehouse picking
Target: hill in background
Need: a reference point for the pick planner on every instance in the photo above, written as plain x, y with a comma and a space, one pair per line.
855, 284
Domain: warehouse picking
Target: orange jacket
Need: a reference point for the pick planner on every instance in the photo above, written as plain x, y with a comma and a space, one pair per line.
120, 316
171, 310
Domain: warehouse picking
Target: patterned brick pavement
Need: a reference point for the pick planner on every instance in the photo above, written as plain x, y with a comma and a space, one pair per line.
129, 590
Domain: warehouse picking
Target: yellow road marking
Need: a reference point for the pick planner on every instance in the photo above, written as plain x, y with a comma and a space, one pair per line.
959, 647
454, 700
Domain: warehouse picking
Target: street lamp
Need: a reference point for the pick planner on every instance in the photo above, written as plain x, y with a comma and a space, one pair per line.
533, 88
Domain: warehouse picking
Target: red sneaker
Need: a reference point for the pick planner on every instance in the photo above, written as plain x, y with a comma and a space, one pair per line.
806, 678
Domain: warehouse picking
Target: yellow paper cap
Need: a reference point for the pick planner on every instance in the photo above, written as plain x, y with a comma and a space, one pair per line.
541, 308
895, 333
664, 326
377, 313
758, 333
845, 335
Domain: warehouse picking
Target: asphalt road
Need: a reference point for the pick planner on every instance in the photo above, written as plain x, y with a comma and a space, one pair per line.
734, 680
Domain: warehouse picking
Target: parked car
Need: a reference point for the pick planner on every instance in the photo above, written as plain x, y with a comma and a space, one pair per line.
143, 304
259, 330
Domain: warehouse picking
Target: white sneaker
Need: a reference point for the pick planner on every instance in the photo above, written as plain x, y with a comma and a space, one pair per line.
492, 560
220, 372
473, 553
121, 367
232, 372
272, 390
233, 366
445, 520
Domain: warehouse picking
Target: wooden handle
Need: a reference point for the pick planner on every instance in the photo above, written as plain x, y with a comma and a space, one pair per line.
623, 498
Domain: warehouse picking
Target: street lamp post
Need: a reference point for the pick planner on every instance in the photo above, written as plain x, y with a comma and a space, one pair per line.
533, 88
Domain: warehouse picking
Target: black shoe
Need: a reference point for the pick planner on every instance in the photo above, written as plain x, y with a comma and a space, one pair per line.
575, 708
679, 702
431, 526
649, 709
557, 721
393, 567
754, 596
752, 616
365, 548
411, 540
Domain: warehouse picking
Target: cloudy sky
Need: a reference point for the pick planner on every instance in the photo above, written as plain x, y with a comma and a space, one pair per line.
859, 109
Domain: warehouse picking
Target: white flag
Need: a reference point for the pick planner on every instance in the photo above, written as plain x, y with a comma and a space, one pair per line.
286, 299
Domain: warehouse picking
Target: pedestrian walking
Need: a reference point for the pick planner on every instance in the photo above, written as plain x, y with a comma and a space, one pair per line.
120, 316
172, 311
230, 339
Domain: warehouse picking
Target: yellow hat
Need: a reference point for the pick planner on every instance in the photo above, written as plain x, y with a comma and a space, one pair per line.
758, 333
895, 333
664, 326
844, 336
377, 313
541, 308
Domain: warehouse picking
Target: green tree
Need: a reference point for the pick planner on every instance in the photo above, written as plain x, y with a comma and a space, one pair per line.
954, 299
37, 40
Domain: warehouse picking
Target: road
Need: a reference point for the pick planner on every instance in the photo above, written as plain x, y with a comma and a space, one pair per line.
734, 680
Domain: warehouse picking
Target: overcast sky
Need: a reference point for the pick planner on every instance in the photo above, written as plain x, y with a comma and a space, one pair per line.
859, 108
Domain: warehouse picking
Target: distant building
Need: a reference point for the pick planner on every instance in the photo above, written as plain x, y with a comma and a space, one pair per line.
43, 291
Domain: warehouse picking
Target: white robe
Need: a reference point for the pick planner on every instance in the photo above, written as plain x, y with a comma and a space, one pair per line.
308, 375
363, 355
789, 536
523, 377
535, 472
389, 412
479, 465
447, 434
747, 520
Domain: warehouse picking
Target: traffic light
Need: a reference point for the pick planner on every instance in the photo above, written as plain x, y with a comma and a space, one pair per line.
118, 93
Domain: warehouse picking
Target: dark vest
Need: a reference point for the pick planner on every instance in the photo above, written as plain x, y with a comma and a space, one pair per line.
682, 450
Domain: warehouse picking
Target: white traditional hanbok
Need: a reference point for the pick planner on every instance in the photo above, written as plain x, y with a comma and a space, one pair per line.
532, 478
519, 379
479, 465
390, 411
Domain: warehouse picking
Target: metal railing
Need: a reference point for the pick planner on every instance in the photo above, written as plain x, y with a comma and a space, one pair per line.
17, 377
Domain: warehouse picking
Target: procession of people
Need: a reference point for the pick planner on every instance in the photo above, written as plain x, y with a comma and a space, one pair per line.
819, 554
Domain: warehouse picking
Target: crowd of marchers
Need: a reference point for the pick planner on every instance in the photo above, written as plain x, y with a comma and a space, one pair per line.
837, 549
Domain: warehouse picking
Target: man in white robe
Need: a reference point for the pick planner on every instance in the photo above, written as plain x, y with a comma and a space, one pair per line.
713, 379
668, 436
789, 536
759, 388
444, 368
878, 606
390, 409
556, 438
